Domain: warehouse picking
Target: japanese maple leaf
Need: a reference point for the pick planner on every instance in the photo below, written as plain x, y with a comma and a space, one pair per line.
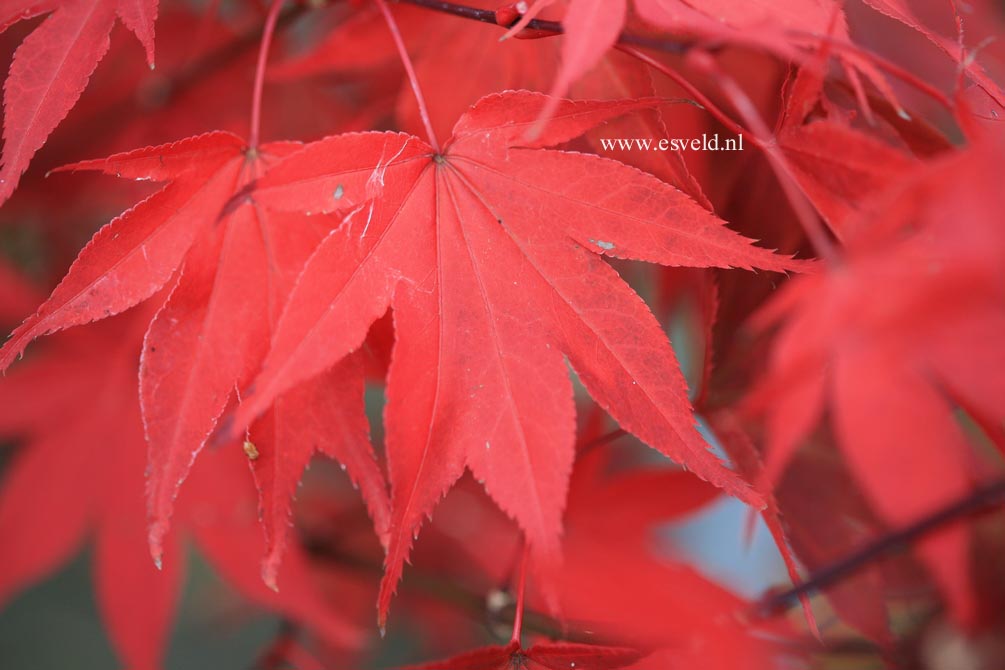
52, 66
436, 42
592, 27
900, 10
489, 254
333, 526
616, 512
892, 342
838, 167
542, 656
81, 478
229, 272
656, 603
785, 28
838, 522
697, 290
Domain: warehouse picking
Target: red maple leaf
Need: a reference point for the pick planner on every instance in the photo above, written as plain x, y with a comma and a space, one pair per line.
488, 255
838, 166
82, 477
487, 286
615, 516
788, 29
892, 365
954, 49
656, 603
52, 66
592, 27
229, 273
436, 42
837, 522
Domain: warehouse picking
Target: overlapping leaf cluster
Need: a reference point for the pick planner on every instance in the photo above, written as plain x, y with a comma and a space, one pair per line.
489, 288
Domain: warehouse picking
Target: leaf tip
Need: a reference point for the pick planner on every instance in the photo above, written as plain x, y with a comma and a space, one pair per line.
270, 572
155, 541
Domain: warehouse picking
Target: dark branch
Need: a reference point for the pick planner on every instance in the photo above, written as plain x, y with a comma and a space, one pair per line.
677, 46
981, 499
463, 11
546, 27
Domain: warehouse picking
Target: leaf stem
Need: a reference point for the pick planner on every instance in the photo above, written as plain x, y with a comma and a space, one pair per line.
806, 213
406, 61
521, 584
691, 90
761, 137
263, 55
882, 63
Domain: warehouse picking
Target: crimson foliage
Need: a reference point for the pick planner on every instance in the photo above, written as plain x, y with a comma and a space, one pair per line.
834, 291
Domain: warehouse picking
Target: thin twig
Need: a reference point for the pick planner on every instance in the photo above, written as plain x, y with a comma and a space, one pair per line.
544, 27
987, 496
